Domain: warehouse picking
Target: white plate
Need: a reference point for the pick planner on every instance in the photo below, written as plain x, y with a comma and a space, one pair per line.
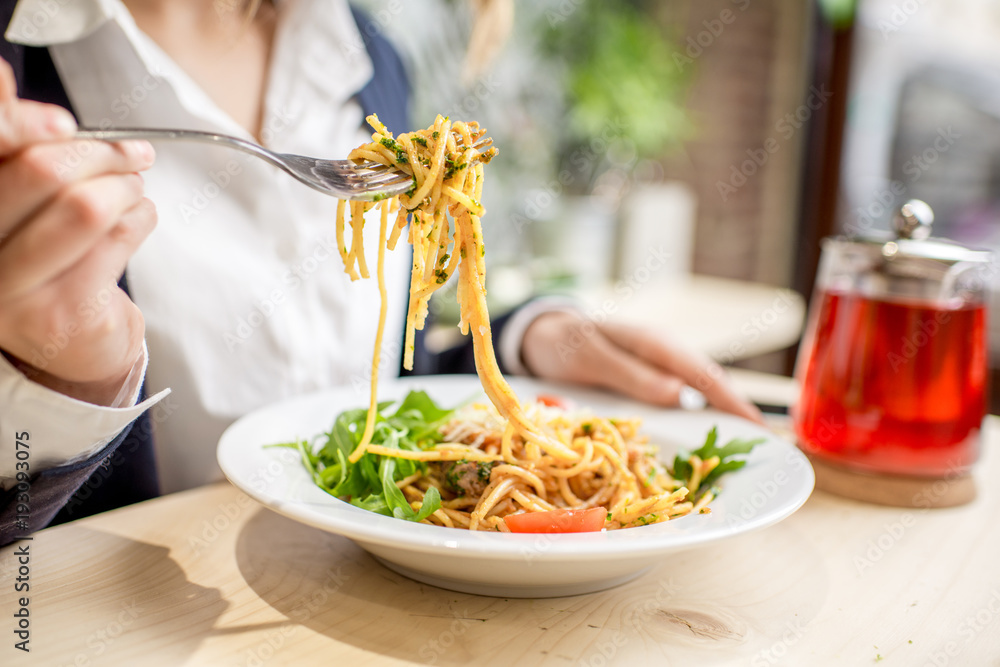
776, 481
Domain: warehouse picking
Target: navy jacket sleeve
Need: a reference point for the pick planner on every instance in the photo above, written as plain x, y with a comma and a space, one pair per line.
31, 506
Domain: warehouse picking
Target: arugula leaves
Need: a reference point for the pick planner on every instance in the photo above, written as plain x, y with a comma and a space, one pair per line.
727, 460
371, 482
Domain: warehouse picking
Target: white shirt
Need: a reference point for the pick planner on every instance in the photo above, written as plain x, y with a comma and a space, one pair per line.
244, 294
242, 289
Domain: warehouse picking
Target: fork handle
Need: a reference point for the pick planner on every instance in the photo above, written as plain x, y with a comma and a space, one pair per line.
127, 133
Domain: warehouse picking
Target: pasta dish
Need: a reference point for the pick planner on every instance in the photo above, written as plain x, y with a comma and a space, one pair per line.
540, 466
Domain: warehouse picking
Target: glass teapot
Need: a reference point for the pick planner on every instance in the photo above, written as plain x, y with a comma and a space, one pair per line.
893, 364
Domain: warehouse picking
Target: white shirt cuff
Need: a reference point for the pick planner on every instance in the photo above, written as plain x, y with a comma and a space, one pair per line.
509, 345
60, 429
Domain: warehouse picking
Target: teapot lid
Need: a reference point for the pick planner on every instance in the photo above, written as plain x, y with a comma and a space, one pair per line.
911, 238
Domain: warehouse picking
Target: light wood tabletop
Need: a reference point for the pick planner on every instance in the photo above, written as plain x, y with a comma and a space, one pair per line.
209, 577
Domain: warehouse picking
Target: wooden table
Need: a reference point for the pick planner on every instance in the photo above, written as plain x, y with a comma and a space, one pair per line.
208, 577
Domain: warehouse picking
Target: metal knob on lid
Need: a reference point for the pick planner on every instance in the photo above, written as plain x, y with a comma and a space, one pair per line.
913, 220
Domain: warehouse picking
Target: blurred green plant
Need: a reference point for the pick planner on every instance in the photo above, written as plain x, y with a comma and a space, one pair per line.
619, 74
839, 13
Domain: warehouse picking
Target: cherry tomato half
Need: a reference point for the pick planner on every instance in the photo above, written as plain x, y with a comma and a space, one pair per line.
552, 401
558, 521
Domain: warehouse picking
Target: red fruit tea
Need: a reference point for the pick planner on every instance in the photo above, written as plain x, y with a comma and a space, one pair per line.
893, 386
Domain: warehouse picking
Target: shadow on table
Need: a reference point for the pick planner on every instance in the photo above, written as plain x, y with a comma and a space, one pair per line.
89, 624
671, 615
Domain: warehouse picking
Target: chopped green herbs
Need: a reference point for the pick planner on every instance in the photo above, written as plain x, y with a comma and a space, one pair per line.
452, 167
394, 146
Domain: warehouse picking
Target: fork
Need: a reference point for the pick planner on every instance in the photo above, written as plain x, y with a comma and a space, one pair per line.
344, 179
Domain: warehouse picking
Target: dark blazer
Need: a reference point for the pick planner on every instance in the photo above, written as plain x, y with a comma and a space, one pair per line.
124, 471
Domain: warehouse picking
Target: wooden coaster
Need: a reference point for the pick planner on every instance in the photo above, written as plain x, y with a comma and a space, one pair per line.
894, 490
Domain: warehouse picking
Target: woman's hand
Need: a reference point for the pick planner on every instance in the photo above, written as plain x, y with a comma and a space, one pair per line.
73, 213
565, 347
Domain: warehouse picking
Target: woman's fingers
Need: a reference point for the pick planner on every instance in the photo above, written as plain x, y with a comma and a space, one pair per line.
64, 231
693, 369
8, 84
82, 310
591, 358
108, 258
71, 215
23, 123
609, 366
31, 177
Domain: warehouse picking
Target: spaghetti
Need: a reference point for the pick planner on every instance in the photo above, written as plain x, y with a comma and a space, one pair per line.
616, 469
443, 212
505, 458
